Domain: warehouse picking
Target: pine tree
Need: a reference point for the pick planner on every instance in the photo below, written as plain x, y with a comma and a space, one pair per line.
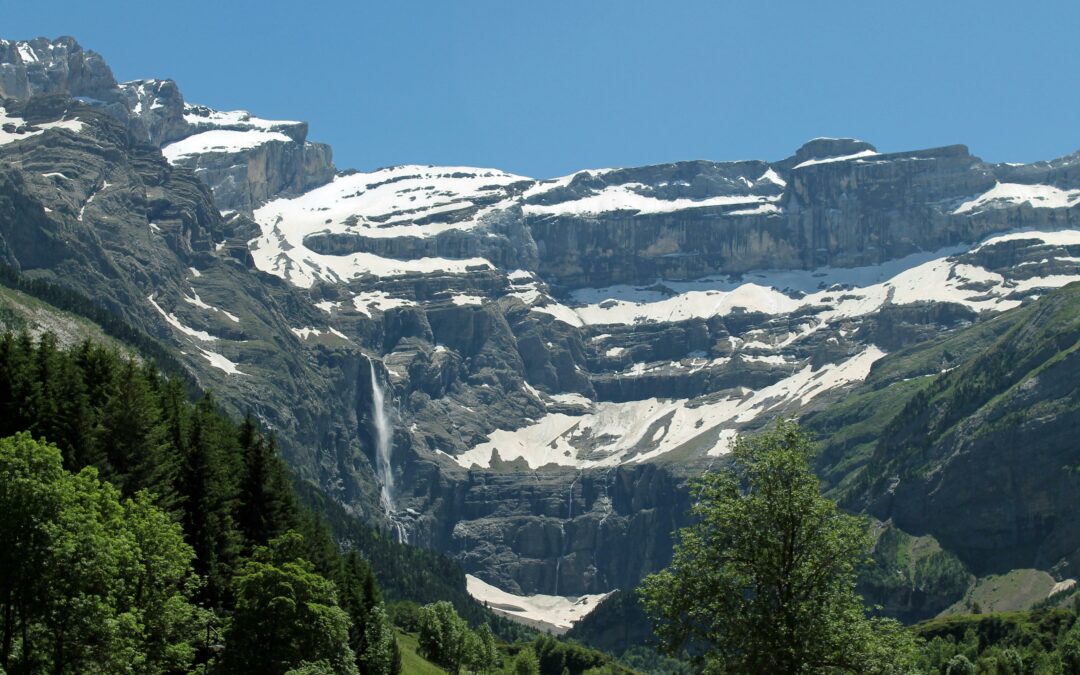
205, 485
134, 438
267, 507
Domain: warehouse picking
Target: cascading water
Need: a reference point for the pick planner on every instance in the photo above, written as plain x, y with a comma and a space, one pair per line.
562, 530
384, 447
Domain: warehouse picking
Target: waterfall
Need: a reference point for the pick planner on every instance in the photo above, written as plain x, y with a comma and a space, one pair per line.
384, 447
562, 530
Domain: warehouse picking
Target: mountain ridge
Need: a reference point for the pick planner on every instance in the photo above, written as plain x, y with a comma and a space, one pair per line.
561, 355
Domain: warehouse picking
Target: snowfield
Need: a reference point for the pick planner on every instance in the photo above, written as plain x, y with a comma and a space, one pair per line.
554, 611
21, 133
220, 140
636, 431
1010, 194
836, 292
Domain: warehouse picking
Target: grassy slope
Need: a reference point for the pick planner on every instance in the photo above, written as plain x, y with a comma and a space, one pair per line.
411, 661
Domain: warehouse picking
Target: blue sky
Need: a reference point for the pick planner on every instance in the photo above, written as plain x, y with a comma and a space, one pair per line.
544, 89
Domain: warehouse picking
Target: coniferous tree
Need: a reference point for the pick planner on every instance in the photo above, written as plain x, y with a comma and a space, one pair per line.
358, 594
267, 507
205, 486
133, 437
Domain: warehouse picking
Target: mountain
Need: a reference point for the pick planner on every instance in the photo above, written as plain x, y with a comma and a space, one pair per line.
545, 362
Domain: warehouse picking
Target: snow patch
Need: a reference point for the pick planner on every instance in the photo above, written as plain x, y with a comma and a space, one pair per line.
624, 198
611, 434
559, 612
220, 140
1004, 195
176, 323
221, 363
21, 132
198, 302
844, 158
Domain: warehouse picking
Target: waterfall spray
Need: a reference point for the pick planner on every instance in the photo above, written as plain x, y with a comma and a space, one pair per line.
384, 447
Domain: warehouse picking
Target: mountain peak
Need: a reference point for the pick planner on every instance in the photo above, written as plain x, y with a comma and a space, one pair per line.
818, 149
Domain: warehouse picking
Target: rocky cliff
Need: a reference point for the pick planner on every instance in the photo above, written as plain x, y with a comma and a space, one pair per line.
558, 355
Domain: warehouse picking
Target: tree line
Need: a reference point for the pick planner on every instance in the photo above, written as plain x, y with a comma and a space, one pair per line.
145, 533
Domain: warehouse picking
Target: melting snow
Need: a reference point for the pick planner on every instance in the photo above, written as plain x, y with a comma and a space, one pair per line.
462, 299
220, 362
384, 203
6, 137
553, 610
844, 158
175, 323
624, 198
380, 300
772, 177
616, 433
220, 140
231, 118
26, 52
198, 302
1009, 194
840, 292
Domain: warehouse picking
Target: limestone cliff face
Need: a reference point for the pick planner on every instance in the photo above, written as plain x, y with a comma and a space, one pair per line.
559, 355
41, 66
247, 175
831, 213
246, 178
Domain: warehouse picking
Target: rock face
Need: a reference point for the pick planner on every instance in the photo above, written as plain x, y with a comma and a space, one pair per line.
41, 66
559, 355
246, 161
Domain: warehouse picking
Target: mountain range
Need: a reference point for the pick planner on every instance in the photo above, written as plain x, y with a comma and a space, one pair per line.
524, 373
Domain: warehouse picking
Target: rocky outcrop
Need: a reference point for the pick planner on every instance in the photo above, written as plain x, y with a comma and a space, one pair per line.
246, 178
41, 66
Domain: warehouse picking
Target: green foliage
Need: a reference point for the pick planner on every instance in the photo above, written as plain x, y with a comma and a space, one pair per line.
556, 656
89, 582
765, 580
286, 614
525, 663
445, 639
226, 488
405, 614
912, 577
380, 655
442, 635
316, 668
960, 665
1039, 641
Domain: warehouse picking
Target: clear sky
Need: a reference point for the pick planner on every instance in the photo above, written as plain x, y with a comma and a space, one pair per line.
546, 88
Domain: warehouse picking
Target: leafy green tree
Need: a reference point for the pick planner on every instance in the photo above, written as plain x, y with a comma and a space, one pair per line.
316, 668
1069, 649
286, 615
380, 655
443, 635
30, 497
1010, 662
525, 663
100, 585
486, 657
764, 582
207, 487
134, 439
960, 665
